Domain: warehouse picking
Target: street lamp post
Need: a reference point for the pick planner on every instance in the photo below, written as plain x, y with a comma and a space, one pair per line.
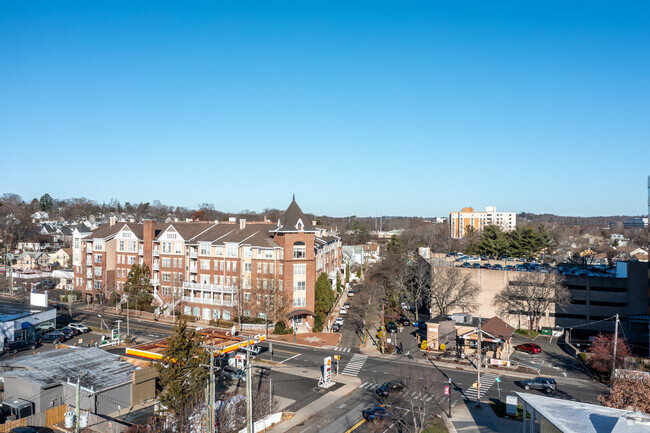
449, 397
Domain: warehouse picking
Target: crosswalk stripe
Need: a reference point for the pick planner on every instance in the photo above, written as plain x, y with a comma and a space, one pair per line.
355, 365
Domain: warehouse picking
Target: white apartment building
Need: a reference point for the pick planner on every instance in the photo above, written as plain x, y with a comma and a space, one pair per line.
460, 221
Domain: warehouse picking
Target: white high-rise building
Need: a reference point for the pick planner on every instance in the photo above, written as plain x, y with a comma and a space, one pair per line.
467, 217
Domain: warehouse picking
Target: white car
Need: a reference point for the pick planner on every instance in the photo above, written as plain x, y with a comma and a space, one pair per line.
339, 321
79, 327
343, 311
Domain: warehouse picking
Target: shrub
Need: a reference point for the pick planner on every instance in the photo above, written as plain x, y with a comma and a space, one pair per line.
281, 328
188, 318
318, 324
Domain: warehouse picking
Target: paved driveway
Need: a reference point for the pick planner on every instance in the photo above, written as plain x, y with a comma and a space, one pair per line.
553, 361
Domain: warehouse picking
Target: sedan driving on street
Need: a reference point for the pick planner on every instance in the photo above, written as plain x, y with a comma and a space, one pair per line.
375, 413
388, 387
542, 383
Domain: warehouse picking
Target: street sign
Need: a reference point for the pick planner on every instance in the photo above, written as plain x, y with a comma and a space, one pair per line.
446, 389
475, 385
498, 379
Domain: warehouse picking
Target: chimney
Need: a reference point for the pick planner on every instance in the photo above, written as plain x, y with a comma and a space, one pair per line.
242, 224
148, 234
111, 221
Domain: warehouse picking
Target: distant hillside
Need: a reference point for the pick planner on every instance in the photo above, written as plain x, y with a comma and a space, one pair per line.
525, 217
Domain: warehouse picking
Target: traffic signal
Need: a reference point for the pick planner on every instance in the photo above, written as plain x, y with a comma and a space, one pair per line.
115, 334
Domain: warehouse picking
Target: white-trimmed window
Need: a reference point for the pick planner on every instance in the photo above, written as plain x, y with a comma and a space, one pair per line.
205, 264
132, 245
234, 266
216, 314
98, 285
178, 247
204, 248
98, 258
226, 314
228, 266
130, 260
299, 269
268, 253
219, 250
98, 245
271, 268
266, 268
97, 272
299, 250
120, 245
231, 250
299, 286
247, 267
247, 298
166, 262
166, 247
259, 268
165, 276
248, 252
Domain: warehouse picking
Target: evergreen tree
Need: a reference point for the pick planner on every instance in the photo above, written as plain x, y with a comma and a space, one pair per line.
324, 297
139, 288
46, 202
394, 244
181, 375
493, 241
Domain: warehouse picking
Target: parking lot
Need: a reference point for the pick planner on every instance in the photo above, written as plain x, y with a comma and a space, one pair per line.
552, 361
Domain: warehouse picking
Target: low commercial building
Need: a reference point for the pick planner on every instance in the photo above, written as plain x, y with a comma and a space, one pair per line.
553, 415
108, 382
20, 321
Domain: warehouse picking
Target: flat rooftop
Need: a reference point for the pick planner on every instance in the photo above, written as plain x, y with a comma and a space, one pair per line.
100, 369
10, 311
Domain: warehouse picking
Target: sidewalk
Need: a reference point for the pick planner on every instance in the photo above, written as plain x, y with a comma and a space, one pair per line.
467, 418
349, 384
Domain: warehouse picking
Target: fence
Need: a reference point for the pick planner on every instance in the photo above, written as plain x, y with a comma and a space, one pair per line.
255, 327
42, 419
265, 423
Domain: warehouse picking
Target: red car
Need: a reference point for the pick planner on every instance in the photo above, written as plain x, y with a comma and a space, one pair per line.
529, 347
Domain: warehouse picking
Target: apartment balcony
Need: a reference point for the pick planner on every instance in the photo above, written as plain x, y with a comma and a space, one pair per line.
141, 251
89, 273
193, 269
156, 253
217, 302
156, 267
210, 287
89, 250
155, 282
89, 262
193, 254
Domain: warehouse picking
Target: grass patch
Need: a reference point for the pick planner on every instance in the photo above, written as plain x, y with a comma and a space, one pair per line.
437, 426
527, 333
499, 409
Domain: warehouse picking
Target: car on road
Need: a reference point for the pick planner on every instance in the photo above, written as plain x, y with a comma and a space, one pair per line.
404, 321
336, 327
339, 321
233, 374
343, 311
79, 327
19, 345
388, 387
375, 413
391, 327
421, 324
541, 383
53, 337
351, 292
346, 306
529, 347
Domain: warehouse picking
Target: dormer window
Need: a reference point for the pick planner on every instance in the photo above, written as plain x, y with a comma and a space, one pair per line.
300, 226
299, 250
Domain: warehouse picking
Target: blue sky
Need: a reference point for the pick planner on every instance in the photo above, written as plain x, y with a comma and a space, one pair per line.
366, 108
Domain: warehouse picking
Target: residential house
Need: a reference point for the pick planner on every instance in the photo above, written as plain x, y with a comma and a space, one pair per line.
31, 261
61, 257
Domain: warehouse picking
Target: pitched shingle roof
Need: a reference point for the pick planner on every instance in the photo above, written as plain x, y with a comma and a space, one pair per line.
498, 328
294, 219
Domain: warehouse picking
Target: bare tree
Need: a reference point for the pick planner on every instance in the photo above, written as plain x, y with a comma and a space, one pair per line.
532, 293
270, 300
452, 288
419, 400
416, 291
370, 296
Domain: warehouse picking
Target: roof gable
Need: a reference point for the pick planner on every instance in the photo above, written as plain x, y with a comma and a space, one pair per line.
294, 220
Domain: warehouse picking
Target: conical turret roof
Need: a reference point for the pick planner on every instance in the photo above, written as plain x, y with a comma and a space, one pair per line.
294, 220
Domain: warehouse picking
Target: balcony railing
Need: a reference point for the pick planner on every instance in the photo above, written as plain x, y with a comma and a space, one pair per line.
193, 254
155, 283
193, 269
89, 262
141, 251
156, 253
210, 287
89, 250
89, 274
198, 300
156, 267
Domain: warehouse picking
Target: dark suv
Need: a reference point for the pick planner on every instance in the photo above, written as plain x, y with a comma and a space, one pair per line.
18, 345
542, 383
388, 387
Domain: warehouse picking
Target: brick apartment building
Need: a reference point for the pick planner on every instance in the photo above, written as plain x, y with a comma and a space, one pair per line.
467, 217
214, 270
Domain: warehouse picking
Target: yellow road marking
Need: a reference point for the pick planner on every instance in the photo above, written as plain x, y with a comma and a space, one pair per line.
356, 426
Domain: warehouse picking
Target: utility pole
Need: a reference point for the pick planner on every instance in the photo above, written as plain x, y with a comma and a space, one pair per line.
614, 354
249, 392
77, 411
478, 365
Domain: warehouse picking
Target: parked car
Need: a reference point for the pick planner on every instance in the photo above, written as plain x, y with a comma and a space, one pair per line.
465, 265
233, 374
70, 330
351, 292
80, 327
388, 387
339, 321
509, 268
53, 337
346, 306
375, 413
497, 267
529, 347
336, 327
404, 321
343, 311
44, 328
542, 383
477, 266
391, 327
19, 345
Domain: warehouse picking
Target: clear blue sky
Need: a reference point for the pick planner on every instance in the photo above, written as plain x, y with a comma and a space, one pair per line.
366, 108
